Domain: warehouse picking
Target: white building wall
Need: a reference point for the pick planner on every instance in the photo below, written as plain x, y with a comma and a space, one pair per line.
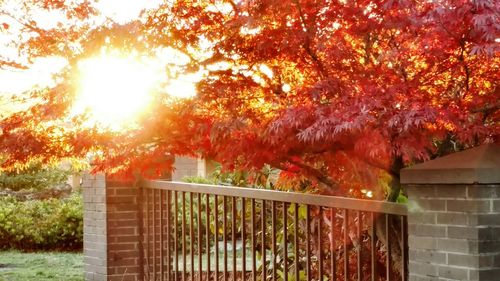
188, 167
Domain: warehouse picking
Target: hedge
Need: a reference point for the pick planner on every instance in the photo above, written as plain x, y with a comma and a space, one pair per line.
35, 176
53, 224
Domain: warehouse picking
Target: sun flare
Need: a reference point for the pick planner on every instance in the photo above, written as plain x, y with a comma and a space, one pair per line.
115, 89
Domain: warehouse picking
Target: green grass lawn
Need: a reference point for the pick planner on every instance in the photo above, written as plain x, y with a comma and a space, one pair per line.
17, 266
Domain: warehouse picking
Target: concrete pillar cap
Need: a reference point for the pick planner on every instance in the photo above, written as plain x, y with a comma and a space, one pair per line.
479, 165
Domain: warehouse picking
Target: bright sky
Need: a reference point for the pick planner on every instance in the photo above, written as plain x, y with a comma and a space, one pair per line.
41, 71
122, 11
17, 81
114, 86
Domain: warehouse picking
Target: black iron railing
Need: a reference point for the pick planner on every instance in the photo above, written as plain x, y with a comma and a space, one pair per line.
206, 232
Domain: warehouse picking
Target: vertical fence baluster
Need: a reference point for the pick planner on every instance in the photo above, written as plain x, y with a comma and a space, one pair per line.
207, 226
333, 252
263, 230
224, 234
168, 235
273, 239
243, 239
346, 251
176, 242
253, 222
154, 232
184, 260
388, 247
216, 236
360, 245
374, 247
296, 241
191, 234
233, 232
320, 244
308, 243
147, 233
200, 238
162, 243
404, 249
285, 242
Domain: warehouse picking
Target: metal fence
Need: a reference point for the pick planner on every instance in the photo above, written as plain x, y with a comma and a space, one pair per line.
206, 232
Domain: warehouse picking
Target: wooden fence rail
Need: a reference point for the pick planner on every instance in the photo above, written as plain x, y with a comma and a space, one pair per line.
208, 232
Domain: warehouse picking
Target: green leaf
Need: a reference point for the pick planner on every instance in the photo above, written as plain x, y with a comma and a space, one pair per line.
302, 212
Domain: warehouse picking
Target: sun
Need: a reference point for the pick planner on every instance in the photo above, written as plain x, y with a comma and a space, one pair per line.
115, 89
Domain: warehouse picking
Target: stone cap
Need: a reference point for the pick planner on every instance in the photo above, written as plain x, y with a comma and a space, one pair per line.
476, 165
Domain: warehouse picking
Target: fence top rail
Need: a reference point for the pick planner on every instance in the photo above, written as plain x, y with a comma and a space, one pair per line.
282, 196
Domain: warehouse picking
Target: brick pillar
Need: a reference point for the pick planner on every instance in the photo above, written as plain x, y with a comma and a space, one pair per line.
111, 234
123, 231
454, 216
189, 167
94, 227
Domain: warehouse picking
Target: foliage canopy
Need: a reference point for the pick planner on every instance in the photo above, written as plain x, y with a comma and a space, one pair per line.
340, 93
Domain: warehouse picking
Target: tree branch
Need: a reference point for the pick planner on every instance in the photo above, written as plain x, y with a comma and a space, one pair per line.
326, 184
307, 43
487, 109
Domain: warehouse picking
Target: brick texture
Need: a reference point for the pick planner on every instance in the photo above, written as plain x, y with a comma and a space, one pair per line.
111, 234
123, 231
188, 167
94, 227
454, 232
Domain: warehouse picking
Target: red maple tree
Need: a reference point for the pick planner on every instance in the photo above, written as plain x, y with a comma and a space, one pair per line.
338, 92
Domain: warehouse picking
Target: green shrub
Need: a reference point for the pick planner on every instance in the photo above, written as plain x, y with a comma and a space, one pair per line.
198, 179
35, 176
263, 178
54, 224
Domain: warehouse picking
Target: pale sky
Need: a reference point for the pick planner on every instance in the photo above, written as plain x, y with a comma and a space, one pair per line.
40, 73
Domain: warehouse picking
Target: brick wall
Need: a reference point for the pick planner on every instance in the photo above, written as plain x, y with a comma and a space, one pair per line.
111, 234
94, 227
454, 232
123, 232
184, 167
454, 216
188, 166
